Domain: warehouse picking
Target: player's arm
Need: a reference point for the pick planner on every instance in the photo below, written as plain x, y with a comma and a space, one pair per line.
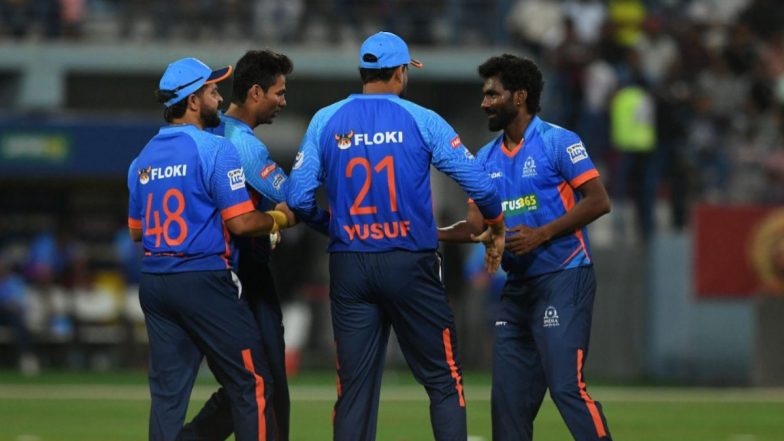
254, 223
134, 208
136, 234
594, 203
461, 232
306, 176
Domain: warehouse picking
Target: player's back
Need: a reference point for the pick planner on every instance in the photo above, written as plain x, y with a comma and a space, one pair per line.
173, 197
377, 166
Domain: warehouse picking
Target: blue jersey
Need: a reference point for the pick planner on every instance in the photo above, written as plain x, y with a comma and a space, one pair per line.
183, 185
536, 181
373, 154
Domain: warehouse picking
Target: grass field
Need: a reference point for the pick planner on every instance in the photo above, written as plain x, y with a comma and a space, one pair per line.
108, 407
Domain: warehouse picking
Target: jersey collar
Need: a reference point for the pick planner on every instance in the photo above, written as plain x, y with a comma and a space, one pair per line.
529, 131
238, 122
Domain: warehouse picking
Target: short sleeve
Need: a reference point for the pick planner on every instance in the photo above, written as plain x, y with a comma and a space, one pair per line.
572, 159
227, 182
135, 214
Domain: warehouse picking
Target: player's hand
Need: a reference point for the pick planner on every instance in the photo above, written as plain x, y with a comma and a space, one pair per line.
493, 239
281, 220
275, 239
525, 239
284, 208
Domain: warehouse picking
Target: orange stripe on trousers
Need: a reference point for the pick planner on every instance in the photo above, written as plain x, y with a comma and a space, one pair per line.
592, 409
450, 360
260, 402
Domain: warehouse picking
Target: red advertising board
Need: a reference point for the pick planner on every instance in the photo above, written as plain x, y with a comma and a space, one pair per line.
734, 249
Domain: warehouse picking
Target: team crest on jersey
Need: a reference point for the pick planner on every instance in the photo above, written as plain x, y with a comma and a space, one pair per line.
550, 317
236, 179
344, 140
577, 152
144, 175
529, 168
298, 160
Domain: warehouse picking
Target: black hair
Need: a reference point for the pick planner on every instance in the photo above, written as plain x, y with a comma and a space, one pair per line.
258, 67
176, 110
516, 73
372, 75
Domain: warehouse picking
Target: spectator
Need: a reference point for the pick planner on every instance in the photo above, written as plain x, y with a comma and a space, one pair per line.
13, 308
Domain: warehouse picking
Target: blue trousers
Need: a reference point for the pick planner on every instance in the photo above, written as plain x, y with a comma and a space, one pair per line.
193, 313
541, 342
371, 292
214, 420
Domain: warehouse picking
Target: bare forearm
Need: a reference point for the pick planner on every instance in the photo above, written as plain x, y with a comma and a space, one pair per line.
582, 214
459, 232
253, 223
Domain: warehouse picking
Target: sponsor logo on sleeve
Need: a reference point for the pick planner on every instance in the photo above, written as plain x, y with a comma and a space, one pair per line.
496, 175
265, 172
278, 181
455, 143
236, 179
468, 154
298, 160
577, 152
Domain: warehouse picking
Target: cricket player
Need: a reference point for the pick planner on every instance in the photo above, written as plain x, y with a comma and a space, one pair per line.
372, 151
187, 191
550, 191
258, 95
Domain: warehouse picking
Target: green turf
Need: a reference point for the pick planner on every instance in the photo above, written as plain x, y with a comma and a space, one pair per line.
84, 407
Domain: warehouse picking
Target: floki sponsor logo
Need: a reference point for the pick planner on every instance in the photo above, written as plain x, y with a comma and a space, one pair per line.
550, 317
347, 140
170, 171
523, 204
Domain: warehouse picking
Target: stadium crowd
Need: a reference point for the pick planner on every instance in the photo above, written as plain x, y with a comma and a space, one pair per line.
678, 101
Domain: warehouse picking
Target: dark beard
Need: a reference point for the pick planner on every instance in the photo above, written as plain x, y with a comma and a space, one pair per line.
501, 120
210, 118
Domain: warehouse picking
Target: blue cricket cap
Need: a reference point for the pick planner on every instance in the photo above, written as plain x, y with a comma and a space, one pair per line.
185, 76
383, 50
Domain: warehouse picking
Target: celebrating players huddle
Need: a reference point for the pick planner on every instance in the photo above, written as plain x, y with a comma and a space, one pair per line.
207, 291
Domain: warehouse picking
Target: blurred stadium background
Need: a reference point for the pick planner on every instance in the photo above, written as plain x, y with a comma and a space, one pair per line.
690, 262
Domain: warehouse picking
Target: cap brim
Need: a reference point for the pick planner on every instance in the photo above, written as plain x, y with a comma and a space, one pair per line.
219, 75
416, 63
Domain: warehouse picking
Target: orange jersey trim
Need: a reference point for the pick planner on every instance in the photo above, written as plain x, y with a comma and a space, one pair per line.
260, 402
513, 152
567, 197
136, 224
584, 177
450, 360
601, 432
236, 210
499, 218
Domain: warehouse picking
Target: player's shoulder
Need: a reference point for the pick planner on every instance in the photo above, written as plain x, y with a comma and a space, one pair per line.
484, 152
555, 136
327, 112
417, 111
